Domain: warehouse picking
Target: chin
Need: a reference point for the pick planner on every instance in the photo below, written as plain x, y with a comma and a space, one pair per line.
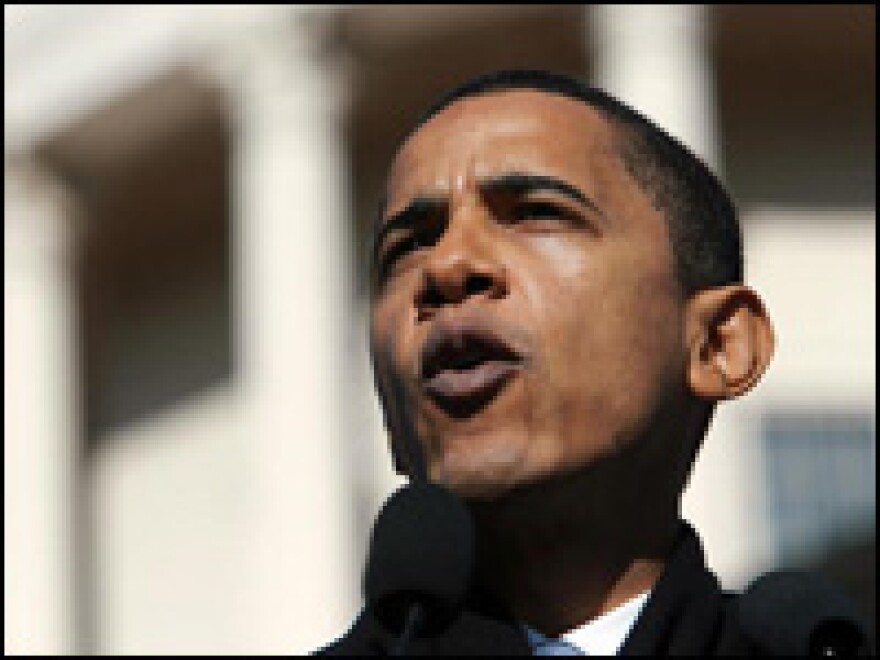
474, 487
484, 475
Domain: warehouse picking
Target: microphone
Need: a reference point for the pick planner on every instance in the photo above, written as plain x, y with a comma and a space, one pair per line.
797, 613
420, 562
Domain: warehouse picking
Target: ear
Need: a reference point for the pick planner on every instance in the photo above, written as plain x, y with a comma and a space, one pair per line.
730, 341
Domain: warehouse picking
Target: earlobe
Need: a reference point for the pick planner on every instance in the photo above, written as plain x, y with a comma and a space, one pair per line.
730, 342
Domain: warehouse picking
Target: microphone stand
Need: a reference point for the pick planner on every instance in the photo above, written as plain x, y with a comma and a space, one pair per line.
414, 617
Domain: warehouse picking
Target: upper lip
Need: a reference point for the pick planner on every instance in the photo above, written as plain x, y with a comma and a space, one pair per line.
461, 343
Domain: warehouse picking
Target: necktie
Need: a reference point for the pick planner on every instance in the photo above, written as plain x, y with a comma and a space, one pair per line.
556, 647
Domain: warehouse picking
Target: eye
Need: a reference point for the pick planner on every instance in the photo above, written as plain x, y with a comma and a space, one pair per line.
402, 246
543, 211
395, 249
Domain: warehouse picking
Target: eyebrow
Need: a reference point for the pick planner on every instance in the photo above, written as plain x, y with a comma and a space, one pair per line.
519, 183
418, 208
523, 182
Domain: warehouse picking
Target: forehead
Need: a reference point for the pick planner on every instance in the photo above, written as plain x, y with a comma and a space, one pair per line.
497, 132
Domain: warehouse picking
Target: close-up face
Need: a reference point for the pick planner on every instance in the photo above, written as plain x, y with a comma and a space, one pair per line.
525, 318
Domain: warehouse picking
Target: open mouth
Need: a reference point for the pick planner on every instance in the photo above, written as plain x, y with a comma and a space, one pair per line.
464, 368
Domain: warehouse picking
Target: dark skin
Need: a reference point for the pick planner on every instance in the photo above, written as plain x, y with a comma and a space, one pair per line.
513, 211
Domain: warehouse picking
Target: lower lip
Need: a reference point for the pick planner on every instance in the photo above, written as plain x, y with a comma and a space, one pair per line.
464, 392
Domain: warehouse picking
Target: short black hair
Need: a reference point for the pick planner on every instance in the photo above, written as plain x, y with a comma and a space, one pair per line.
703, 226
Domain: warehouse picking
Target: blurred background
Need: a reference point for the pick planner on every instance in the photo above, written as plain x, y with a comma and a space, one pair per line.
193, 452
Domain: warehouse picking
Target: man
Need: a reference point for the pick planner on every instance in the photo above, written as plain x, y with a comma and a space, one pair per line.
558, 305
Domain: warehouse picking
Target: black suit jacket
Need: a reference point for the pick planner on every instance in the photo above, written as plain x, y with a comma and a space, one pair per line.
686, 614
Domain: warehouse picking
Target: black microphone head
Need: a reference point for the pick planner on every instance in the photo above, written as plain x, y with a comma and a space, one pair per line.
422, 550
797, 613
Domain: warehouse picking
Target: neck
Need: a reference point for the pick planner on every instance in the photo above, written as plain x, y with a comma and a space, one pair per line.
561, 553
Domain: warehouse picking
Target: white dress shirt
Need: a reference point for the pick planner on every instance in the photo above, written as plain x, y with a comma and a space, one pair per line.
603, 635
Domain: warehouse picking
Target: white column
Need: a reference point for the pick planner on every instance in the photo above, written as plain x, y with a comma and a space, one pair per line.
40, 429
655, 58
290, 206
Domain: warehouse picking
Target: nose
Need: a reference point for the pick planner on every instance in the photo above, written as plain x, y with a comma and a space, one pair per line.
462, 265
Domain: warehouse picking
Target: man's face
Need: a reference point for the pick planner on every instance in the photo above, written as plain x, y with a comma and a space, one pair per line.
526, 320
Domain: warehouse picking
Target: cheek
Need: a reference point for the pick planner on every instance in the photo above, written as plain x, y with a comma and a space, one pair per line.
611, 340
552, 272
385, 354
391, 335
381, 342
569, 259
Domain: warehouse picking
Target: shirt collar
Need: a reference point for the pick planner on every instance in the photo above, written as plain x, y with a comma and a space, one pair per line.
603, 635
